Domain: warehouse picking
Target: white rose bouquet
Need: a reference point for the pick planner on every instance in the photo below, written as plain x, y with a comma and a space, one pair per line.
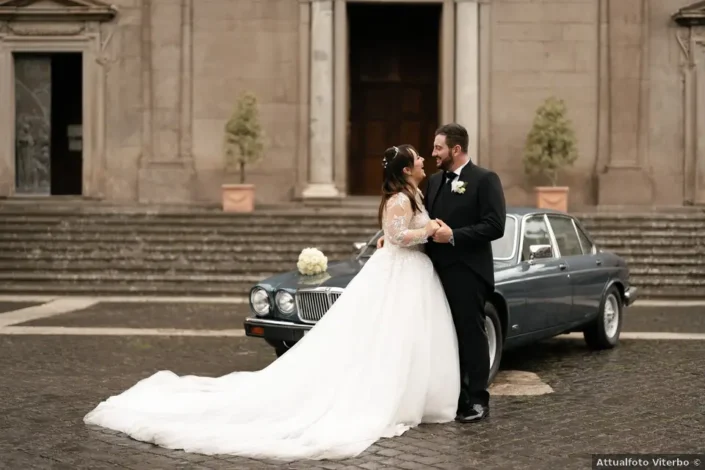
312, 261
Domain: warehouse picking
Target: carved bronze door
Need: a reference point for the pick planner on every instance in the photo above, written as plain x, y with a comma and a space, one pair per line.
32, 124
48, 124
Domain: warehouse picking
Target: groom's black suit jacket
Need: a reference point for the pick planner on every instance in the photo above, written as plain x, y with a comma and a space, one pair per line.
477, 217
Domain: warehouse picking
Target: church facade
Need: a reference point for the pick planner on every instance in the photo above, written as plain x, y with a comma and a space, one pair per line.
126, 102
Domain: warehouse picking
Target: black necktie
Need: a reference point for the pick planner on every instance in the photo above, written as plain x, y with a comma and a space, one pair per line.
450, 176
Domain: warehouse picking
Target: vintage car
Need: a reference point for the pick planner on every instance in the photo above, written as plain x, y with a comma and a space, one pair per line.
550, 279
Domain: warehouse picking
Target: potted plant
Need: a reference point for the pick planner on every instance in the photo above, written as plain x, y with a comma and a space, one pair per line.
243, 146
550, 146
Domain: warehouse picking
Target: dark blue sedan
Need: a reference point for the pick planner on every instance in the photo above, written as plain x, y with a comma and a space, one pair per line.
551, 278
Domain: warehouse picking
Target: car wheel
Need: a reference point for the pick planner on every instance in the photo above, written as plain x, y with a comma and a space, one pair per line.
280, 347
603, 332
281, 350
493, 328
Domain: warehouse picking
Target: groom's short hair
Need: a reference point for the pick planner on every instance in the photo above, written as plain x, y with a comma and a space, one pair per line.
455, 135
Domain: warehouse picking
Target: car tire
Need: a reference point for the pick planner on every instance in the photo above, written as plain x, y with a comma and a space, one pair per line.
493, 327
603, 332
280, 347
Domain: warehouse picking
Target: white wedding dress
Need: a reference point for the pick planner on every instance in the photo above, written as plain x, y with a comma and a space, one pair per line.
382, 360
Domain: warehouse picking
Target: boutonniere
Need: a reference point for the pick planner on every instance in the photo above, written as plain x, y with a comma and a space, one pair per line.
458, 186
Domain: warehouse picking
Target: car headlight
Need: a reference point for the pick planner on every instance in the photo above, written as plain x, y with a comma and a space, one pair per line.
259, 299
285, 302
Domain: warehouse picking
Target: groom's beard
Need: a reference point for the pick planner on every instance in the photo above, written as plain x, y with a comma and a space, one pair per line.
445, 164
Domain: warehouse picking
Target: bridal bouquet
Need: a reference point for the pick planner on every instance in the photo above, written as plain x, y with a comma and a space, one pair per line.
312, 261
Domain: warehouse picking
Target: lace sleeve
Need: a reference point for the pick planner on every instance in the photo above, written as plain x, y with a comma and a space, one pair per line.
397, 217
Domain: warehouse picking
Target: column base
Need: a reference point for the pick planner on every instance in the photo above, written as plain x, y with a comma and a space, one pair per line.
624, 186
321, 191
166, 185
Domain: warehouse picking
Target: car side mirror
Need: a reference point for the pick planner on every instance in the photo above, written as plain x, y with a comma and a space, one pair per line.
540, 252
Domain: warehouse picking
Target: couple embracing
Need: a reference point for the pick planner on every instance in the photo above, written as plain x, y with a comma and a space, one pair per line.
404, 344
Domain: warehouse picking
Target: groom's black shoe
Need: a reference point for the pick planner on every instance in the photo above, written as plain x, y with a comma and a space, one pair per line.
475, 413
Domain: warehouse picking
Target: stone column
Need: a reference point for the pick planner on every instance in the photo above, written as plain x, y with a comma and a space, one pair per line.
166, 167
448, 57
321, 183
467, 72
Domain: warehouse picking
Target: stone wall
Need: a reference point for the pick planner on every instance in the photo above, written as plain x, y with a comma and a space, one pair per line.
541, 49
173, 69
235, 46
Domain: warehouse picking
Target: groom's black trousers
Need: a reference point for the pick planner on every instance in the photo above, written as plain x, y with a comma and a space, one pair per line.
466, 293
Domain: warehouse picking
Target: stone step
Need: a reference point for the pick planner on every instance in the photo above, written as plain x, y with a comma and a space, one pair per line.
133, 289
670, 272
265, 262
122, 249
642, 281
157, 238
38, 231
314, 220
174, 257
618, 244
648, 234
672, 292
639, 276
151, 225
149, 229
119, 277
618, 224
215, 219
138, 266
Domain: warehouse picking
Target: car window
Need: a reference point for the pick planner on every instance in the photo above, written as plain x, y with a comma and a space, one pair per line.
585, 242
535, 233
503, 248
566, 236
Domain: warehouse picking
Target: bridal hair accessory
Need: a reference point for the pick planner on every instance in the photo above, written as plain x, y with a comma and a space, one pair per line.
312, 261
385, 162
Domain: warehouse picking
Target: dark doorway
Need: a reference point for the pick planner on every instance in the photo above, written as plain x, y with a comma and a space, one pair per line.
394, 86
48, 123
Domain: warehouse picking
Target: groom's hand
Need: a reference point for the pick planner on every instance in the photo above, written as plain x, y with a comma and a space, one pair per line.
443, 234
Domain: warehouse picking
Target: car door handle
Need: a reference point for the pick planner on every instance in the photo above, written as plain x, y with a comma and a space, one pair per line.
562, 266
598, 262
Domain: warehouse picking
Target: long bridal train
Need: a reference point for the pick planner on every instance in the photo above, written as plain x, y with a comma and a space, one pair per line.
382, 360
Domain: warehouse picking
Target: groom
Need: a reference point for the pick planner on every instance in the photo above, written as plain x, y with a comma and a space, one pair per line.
468, 202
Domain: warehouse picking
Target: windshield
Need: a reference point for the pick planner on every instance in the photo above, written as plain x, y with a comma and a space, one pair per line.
502, 248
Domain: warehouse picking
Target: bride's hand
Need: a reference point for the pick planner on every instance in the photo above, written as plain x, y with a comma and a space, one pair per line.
431, 227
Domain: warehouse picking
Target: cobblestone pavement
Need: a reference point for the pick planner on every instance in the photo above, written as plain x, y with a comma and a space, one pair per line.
644, 397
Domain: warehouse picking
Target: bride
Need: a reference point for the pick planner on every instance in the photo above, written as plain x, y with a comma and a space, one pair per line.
382, 360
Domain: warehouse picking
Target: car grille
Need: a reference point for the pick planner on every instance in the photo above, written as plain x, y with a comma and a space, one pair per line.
313, 305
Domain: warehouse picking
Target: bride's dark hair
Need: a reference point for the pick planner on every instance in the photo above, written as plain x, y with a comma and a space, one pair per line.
395, 160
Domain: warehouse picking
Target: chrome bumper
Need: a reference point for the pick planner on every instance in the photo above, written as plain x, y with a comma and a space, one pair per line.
630, 295
275, 329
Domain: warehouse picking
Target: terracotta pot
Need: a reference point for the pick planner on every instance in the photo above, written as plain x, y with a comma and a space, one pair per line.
238, 197
552, 197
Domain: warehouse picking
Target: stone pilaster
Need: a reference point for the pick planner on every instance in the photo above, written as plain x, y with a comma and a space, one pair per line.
467, 72
321, 154
626, 180
166, 166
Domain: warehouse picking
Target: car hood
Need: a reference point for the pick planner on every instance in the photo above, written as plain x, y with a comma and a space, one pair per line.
338, 274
